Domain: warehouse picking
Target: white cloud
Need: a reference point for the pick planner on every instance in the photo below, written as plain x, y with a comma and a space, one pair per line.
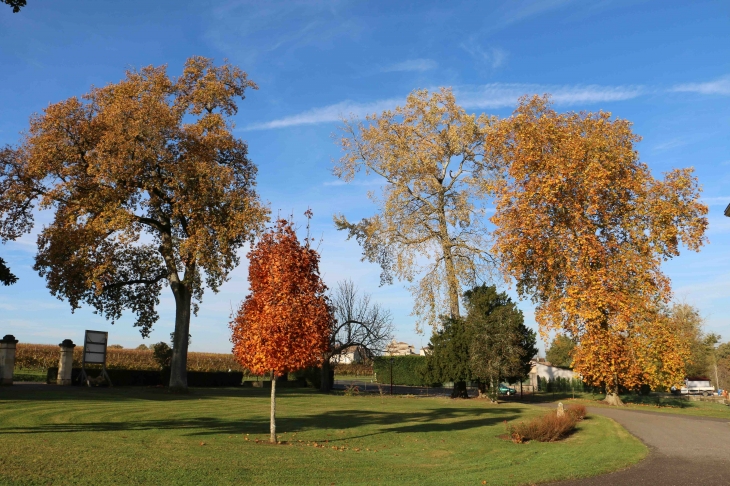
494, 95
716, 201
353, 183
500, 95
718, 87
494, 57
330, 113
411, 65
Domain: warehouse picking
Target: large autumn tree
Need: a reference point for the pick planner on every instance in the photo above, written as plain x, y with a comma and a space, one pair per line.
284, 324
436, 167
148, 187
582, 226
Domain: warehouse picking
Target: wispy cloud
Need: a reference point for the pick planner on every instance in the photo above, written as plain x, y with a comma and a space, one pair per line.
353, 183
493, 57
716, 201
504, 95
327, 114
717, 87
411, 65
495, 95
501, 95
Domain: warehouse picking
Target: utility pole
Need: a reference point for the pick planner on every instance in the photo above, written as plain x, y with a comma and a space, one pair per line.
391, 374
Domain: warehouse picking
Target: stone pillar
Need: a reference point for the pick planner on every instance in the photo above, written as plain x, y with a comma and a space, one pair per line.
65, 362
7, 359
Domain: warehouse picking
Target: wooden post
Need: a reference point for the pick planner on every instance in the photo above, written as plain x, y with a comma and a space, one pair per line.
7, 359
272, 428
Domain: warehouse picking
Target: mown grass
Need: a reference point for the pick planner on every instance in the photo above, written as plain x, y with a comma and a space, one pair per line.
652, 403
76, 435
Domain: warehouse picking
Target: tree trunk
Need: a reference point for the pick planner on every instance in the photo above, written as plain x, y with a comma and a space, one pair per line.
452, 282
326, 384
272, 427
612, 397
459, 390
179, 364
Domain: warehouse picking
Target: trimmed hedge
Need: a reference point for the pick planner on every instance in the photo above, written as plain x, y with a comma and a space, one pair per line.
155, 378
407, 370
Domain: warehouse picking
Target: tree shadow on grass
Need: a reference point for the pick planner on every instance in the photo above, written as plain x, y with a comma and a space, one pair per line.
438, 419
50, 393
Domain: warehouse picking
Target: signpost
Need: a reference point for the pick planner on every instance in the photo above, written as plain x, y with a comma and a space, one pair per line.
95, 353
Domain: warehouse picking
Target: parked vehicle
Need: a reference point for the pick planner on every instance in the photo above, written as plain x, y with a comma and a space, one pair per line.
505, 390
695, 386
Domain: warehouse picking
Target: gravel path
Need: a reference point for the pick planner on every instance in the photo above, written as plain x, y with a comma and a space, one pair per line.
685, 450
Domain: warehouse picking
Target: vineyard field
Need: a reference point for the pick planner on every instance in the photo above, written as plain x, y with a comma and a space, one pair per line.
40, 357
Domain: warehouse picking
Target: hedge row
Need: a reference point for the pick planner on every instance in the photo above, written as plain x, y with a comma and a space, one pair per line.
407, 370
120, 377
40, 357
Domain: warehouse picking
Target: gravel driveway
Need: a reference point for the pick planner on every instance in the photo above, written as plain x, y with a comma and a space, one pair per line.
685, 451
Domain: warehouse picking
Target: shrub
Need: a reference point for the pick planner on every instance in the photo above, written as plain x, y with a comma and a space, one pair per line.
115, 346
162, 353
407, 370
353, 369
577, 411
546, 428
142, 347
312, 375
120, 377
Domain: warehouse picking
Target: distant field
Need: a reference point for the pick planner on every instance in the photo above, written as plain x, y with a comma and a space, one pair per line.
94, 436
40, 357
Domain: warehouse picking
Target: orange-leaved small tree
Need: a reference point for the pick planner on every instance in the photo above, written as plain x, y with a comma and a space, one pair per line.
283, 325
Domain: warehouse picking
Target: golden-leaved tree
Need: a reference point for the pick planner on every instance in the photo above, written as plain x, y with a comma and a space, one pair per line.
582, 226
284, 324
148, 187
436, 165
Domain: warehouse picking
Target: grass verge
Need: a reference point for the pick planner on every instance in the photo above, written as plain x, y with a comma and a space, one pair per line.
651, 403
55, 435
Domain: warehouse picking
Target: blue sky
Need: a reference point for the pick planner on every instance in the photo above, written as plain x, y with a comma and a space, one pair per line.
663, 65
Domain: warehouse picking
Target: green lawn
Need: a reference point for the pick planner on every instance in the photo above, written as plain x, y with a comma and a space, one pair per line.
651, 403
97, 436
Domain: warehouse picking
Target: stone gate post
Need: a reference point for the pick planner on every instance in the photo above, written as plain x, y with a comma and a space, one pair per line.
65, 362
7, 359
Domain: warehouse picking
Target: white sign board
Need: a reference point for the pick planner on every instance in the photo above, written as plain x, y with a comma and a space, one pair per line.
95, 347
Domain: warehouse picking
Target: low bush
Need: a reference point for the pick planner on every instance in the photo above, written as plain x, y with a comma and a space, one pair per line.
546, 428
121, 377
353, 369
407, 370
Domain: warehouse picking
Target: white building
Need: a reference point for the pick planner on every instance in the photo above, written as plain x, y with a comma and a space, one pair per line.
399, 349
545, 370
351, 354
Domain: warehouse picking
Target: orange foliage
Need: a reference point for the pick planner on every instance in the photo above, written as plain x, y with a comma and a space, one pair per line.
284, 323
582, 226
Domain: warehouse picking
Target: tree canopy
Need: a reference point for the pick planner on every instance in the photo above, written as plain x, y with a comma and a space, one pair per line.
284, 324
489, 345
15, 4
436, 164
560, 352
582, 227
148, 187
